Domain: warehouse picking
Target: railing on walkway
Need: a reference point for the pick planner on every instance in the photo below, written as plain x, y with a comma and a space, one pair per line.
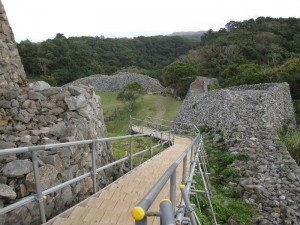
40, 194
160, 124
198, 161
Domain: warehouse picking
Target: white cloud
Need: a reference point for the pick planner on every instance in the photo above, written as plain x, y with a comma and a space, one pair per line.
41, 19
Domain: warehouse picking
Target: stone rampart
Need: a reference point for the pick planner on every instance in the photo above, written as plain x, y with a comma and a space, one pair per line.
115, 83
250, 117
12, 73
35, 116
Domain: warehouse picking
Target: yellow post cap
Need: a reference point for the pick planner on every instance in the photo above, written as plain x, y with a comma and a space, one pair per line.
138, 213
165, 200
181, 186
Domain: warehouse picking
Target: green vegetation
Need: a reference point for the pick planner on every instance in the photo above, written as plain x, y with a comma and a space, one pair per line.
297, 110
179, 76
117, 116
291, 139
129, 94
117, 121
62, 60
253, 51
121, 148
226, 201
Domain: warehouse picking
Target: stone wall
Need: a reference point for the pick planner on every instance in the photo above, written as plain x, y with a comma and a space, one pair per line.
250, 117
40, 114
115, 83
200, 85
12, 73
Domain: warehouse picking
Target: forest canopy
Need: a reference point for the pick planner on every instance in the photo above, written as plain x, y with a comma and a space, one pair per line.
62, 60
252, 51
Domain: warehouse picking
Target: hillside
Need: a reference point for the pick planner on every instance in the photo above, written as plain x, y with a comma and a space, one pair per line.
253, 51
62, 60
194, 35
243, 52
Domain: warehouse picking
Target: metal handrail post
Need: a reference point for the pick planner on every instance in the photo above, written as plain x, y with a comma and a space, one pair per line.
150, 145
173, 138
130, 124
169, 138
40, 199
161, 141
166, 212
184, 170
94, 167
189, 209
131, 152
141, 222
173, 190
192, 154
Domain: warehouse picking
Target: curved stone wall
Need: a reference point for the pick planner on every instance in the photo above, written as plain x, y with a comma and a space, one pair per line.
115, 83
250, 117
44, 116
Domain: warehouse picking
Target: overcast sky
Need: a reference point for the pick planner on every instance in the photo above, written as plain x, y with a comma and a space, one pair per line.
38, 20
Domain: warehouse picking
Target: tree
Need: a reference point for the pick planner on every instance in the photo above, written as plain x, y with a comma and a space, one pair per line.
179, 76
130, 93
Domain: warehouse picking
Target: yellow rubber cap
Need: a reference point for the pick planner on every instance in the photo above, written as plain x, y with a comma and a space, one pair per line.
165, 200
181, 186
138, 213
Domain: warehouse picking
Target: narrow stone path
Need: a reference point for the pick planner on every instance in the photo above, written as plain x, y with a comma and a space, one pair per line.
112, 205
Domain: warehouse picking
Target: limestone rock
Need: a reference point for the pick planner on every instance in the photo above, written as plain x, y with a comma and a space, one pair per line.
39, 85
10, 95
48, 175
58, 130
76, 102
23, 116
7, 192
36, 96
5, 144
51, 91
17, 168
54, 160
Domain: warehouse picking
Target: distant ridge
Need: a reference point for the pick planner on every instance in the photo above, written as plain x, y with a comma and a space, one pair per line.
189, 34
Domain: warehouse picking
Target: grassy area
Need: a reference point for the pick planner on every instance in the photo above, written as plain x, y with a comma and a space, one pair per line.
226, 201
117, 121
117, 116
291, 139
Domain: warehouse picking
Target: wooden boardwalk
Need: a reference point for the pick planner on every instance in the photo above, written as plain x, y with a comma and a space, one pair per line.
112, 205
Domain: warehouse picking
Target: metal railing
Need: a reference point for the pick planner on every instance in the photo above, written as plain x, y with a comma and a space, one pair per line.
39, 195
168, 213
140, 211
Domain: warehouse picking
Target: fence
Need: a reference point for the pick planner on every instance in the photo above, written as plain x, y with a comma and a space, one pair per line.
39, 195
168, 213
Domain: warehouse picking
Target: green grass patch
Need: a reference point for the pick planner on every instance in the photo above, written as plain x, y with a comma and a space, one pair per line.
297, 110
121, 149
226, 201
291, 139
117, 115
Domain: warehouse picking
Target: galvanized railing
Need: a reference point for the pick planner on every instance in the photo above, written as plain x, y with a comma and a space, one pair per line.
140, 211
40, 194
168, 213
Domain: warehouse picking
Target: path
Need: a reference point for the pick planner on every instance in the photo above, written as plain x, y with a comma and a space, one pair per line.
112, 205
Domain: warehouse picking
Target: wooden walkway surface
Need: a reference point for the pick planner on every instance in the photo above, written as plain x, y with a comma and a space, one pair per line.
113, 204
